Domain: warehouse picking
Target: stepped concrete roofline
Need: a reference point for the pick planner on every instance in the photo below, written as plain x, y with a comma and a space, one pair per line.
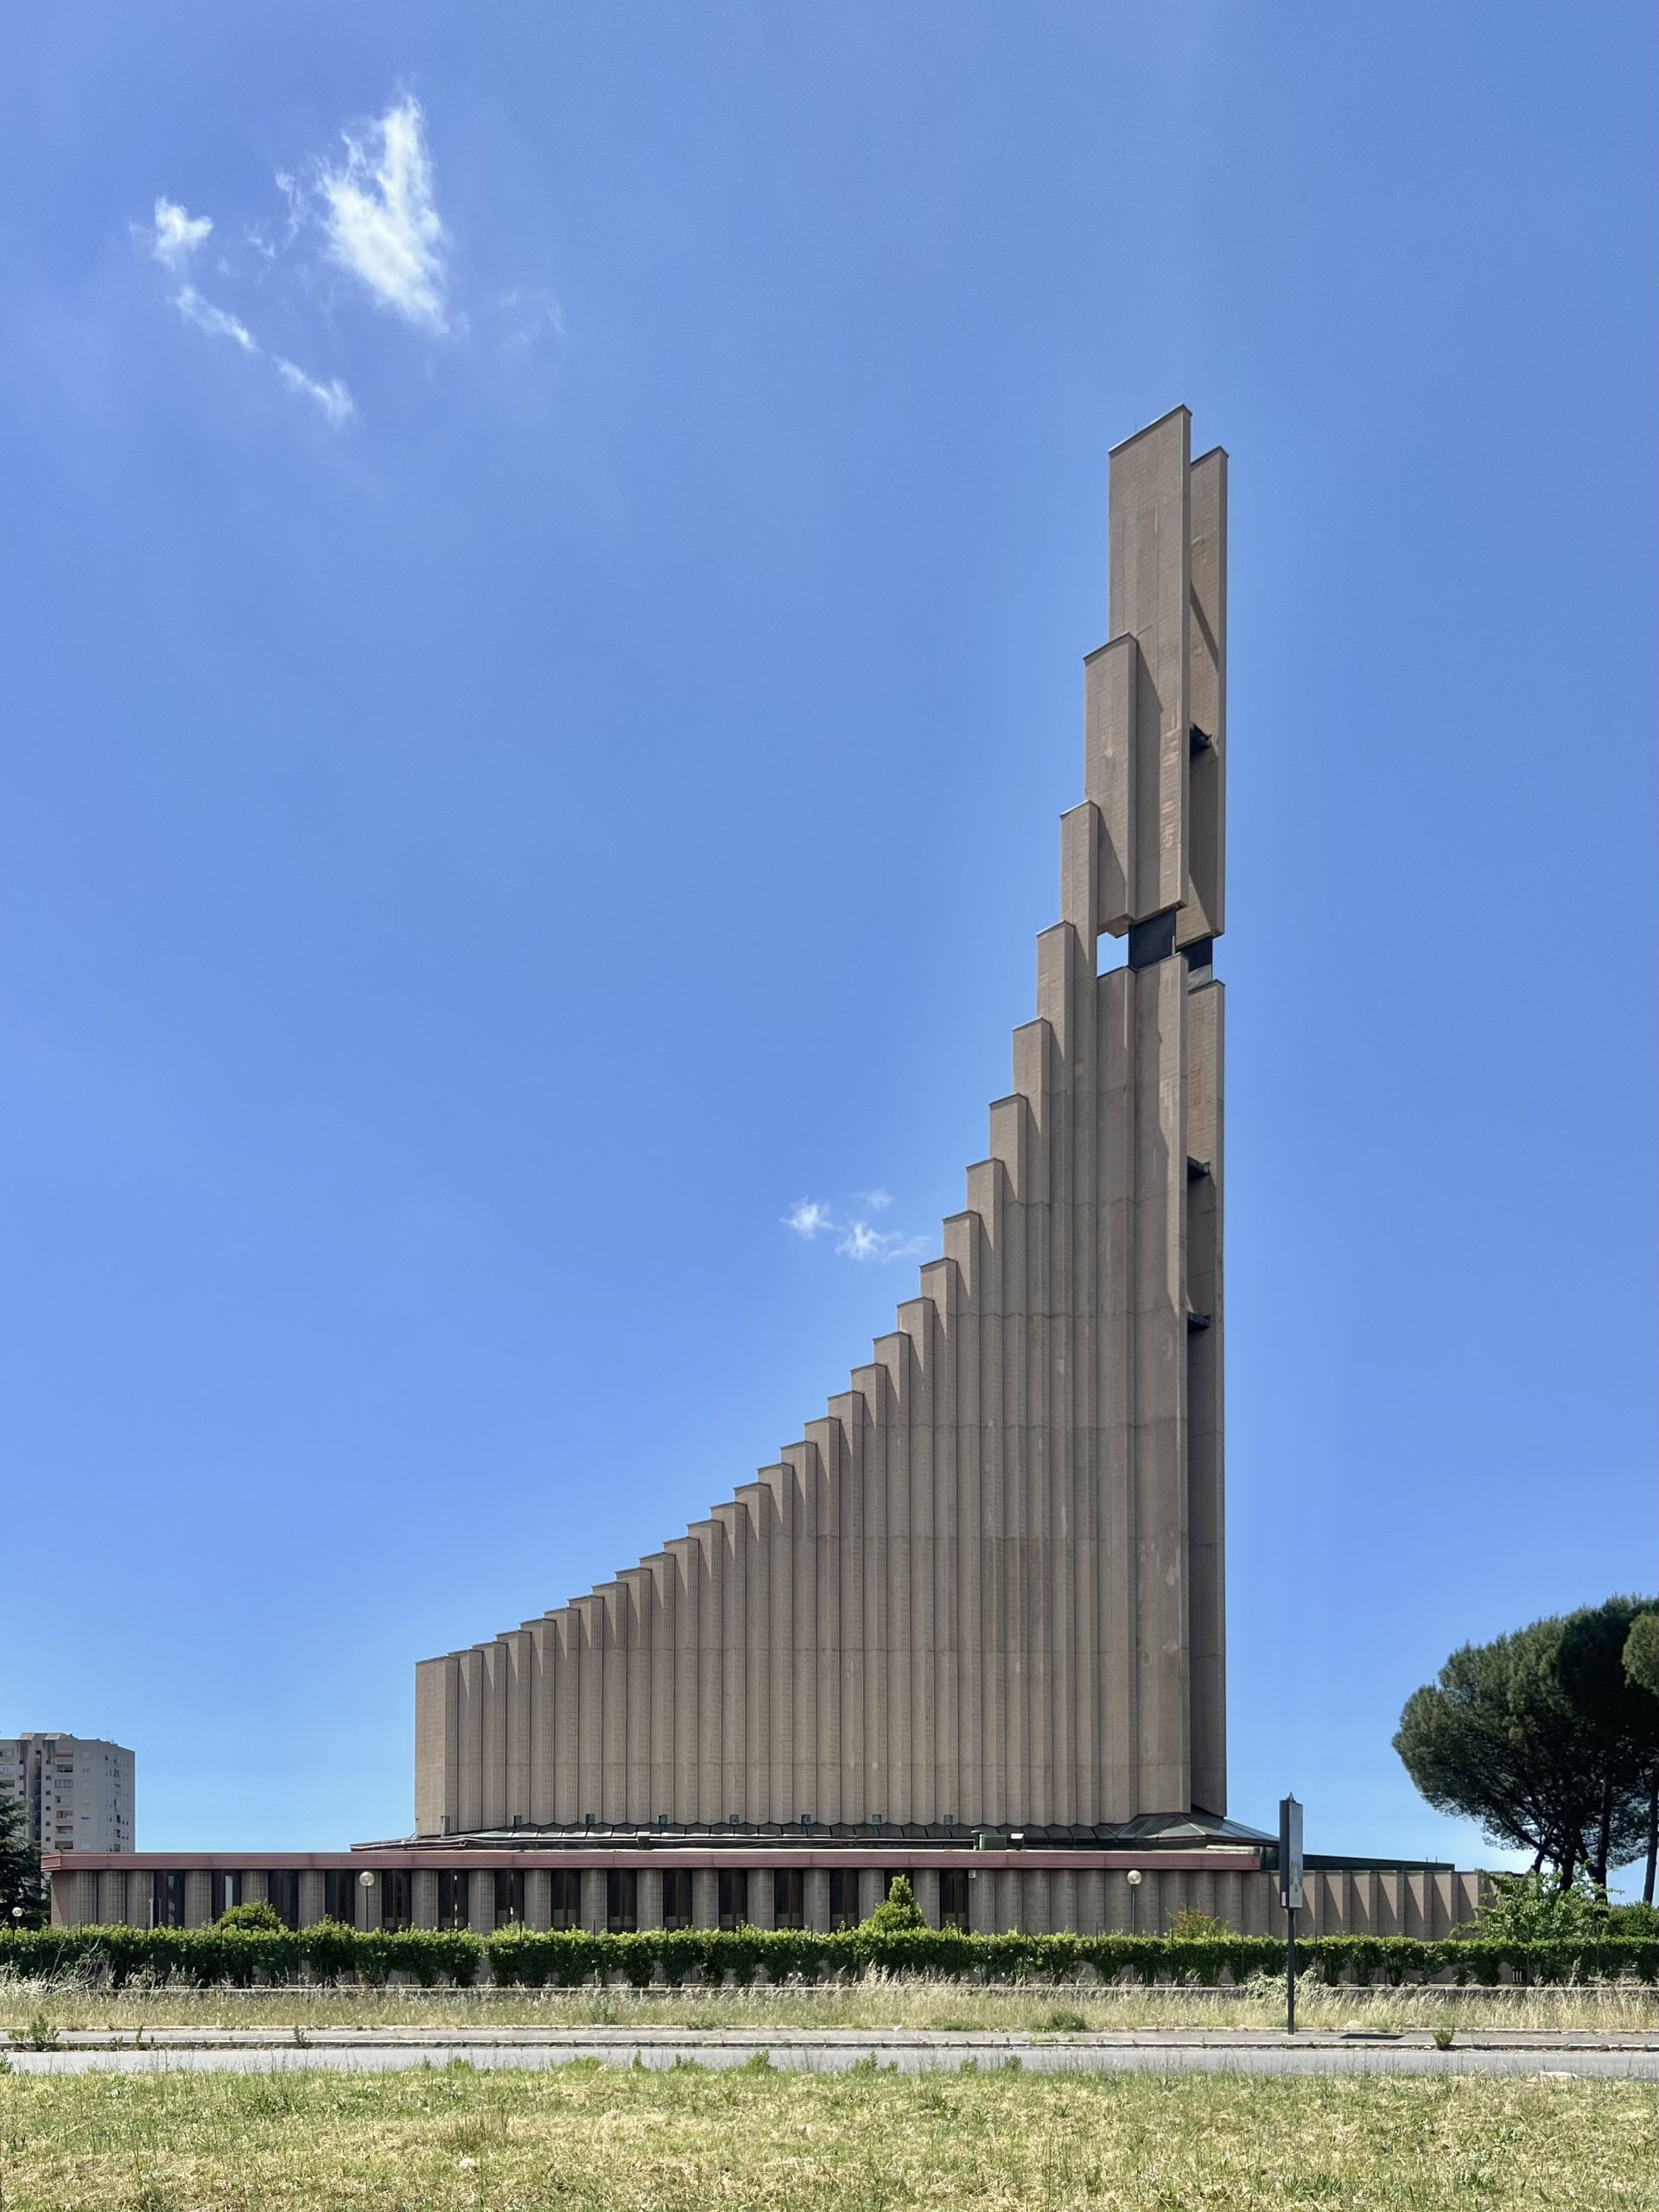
988, 1581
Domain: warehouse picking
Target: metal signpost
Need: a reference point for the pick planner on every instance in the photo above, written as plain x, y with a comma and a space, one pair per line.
1290, 1895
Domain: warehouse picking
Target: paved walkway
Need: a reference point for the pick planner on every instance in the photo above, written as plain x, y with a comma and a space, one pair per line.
831, 2050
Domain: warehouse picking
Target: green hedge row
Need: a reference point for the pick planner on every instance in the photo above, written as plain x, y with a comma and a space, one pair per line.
519, 1958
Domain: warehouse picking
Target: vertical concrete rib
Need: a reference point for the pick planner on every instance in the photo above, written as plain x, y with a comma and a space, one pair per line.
892, 1354
850, 1414
1205, 912
826, 1460
565, 1649
518, 1657
755, 1500
871, 1385
633, 1589
730, 1523
1114, 1224
800, 1464
915, 1775
780, 1587
1206, 1534
1160, 1386
1150, 531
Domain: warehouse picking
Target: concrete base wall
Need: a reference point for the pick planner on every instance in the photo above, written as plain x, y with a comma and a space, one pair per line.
1429, 1902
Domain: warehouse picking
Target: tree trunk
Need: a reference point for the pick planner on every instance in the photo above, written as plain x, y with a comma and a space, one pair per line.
1604, 1835
1653, 1838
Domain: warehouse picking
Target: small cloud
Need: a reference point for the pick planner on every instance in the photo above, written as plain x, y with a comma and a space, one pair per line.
534, 313
382, 220
214, 321
855, 1239
333, 397
294, 193
335, 401
177, 234
861, 1242
807, 1217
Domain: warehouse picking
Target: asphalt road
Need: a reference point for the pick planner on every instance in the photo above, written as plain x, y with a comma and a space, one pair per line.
1240, 2051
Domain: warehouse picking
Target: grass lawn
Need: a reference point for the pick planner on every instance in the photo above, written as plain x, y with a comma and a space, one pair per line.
591, 2139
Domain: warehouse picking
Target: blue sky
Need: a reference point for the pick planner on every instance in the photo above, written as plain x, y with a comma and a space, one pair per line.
542, 666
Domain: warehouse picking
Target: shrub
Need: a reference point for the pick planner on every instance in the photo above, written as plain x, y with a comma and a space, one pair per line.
533, 1959
897, 1910
1189, 1926
1539, 1909
259, 1916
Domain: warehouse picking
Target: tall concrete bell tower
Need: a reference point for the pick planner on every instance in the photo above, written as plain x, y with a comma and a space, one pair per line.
985, 1586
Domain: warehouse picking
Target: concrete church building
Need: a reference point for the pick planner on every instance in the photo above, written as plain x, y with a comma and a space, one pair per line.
972, 1625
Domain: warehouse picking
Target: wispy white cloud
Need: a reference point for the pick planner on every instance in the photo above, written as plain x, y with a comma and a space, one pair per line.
332, 399
294, 193
176, 233
860, 1241
371, 212
335, 401
382, 220
855, 1238
214, 321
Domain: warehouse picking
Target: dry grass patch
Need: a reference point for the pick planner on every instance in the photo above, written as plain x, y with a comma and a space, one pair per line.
74, 2001
587, 2139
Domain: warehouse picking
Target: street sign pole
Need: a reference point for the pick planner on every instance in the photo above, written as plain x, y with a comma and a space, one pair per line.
1290, 1895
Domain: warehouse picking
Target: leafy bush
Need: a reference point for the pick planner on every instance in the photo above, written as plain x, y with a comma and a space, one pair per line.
899, 1908
1539, 1909
1189, 1926
249, 1916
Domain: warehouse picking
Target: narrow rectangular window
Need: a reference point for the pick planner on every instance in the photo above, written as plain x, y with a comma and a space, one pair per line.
843, 1896
677, 1898
340, 1894
282, 1892
789, 1898
509, 1897
953, 1901
734, 1896
567, 1898
621, 1909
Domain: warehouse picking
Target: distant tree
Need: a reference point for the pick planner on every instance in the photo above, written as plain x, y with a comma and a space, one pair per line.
1541, 1738
1618, 1719
21, 1884
1642, 1651
1641, 1670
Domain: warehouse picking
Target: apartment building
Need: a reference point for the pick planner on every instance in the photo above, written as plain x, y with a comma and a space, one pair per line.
77, 1791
